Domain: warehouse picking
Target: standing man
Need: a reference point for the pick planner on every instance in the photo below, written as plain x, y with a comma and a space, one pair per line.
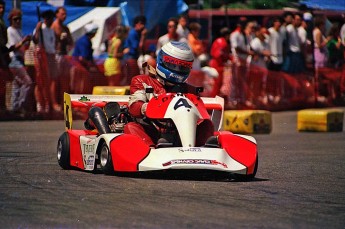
3, 36
294, 62
64, 44
134, 45
172, 35
182, 27
46, 69
276, 45
240, 51
4, 57
84, 63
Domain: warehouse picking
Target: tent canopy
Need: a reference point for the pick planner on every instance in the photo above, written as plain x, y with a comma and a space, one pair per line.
336, 5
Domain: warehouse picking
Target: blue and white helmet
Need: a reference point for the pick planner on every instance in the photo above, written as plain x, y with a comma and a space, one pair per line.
174, 62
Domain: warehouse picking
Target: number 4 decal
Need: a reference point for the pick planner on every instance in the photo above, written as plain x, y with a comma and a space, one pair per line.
182, 102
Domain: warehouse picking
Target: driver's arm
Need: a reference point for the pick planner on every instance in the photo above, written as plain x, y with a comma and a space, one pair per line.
137, 100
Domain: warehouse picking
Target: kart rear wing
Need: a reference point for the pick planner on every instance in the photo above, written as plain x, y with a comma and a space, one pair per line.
87, 101
215, 106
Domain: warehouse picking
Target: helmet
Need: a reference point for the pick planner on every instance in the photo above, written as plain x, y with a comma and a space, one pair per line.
174, 62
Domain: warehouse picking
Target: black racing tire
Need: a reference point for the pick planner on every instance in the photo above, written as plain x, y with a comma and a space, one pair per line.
250, 177
63, 151
105, 160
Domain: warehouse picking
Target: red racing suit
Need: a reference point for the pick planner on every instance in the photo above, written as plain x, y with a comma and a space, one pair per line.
220, 51
137, 103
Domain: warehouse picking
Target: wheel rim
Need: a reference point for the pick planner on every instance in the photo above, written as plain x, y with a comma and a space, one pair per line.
104, 156
59, 150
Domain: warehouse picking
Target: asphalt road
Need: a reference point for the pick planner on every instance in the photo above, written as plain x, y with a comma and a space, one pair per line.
300, 183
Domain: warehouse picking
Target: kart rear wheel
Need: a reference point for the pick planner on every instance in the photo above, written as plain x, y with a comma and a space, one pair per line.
63, 153
250, 177
105, 160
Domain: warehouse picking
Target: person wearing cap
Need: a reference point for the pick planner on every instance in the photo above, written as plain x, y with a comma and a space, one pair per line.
22, 84
45, 64
83, 62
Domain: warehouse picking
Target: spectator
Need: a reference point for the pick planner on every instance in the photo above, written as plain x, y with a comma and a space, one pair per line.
64, 44
83, 60
239, 43
172, 35
112, 64
4, 57
275, 45
196, 45
260, 47
240, 51
46, 69
294, 61
148, 57
135, 44
320, 42
182, 28
335, 48
287, 20
250, 30
258, 65
220, 55
342, 31
22, 84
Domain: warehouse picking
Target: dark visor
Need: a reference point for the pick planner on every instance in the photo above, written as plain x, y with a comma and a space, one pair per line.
176, 65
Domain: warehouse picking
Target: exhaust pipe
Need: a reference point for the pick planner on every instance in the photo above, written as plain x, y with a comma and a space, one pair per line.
98, 120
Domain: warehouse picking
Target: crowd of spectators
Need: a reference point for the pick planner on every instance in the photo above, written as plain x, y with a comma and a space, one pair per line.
290, 43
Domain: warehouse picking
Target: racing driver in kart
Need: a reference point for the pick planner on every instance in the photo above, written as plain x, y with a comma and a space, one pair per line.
174, 63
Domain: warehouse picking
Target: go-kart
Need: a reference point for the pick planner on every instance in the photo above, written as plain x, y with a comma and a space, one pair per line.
103, 144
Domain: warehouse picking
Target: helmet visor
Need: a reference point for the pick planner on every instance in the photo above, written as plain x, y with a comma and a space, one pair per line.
176, 65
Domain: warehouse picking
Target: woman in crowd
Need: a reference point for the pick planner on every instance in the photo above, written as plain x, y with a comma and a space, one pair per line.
320, 42
112, 64
22, 83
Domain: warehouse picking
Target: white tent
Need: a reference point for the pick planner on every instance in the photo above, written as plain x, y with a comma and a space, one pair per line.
105, 17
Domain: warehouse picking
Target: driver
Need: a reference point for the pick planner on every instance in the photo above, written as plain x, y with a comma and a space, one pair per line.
174, 63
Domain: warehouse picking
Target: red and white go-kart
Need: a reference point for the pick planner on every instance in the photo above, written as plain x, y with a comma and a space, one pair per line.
109, 149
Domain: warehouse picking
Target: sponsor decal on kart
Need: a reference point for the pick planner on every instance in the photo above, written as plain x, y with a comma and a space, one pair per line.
84, 99
88, 149
189, 150
194, 161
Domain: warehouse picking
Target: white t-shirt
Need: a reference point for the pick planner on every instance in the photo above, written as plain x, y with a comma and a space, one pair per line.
302, 34
237, 40
276, 39
293, 39
14, 37
258, 47
165, 39
342, 34
48, 39
183, 32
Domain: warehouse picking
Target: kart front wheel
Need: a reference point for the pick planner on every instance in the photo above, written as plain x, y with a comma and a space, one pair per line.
63, 153
105, 160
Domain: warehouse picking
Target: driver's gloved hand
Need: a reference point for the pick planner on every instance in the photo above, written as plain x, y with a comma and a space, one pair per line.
143, 109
